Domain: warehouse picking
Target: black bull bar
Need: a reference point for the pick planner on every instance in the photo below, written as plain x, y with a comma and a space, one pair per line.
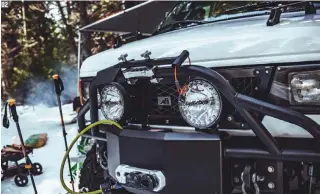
241, 103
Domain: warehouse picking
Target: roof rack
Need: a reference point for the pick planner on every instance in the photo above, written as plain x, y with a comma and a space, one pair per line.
275, 14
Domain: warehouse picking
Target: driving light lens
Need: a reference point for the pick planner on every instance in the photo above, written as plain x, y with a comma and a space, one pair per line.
112, 102
305, 88
200, 105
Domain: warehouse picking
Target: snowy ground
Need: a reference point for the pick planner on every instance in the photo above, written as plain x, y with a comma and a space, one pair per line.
41, 119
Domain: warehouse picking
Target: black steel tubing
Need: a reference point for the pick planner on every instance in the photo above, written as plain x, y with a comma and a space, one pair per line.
181, 58
81, 115
94, 116
281, 113
229, 93
287, 154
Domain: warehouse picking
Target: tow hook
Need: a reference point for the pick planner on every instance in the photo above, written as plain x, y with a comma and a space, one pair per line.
250, 179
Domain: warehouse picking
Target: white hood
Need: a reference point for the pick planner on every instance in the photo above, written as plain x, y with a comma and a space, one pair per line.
236, 42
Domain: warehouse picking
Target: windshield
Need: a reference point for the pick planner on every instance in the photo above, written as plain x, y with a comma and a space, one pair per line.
199, 12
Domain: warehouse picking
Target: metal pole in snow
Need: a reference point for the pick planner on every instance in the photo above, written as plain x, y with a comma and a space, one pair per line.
59, 88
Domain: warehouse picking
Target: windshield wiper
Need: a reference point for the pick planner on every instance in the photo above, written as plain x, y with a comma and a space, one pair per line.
176, 25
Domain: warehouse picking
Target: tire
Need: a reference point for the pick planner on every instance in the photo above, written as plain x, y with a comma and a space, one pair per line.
36, 168
21, 180
91, 173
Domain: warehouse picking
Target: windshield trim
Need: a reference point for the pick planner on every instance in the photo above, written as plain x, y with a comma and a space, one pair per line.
162, 21
220, 17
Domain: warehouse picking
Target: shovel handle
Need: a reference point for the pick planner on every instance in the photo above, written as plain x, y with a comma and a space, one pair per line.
12, 106
58, 84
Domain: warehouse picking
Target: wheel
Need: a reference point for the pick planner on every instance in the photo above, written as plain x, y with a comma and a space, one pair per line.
36, 168
21, 180
90, 179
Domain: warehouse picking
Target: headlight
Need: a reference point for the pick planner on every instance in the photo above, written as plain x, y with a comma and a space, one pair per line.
201, 105
112, 101
305, 87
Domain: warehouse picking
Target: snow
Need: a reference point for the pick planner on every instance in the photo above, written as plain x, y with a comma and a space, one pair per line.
41, 119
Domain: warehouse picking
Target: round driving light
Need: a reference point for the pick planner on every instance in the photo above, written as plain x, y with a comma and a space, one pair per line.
112, 101
200, 105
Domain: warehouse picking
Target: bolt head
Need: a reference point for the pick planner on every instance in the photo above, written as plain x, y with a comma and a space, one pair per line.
256, 88
270, 169
260, 178
267, 71
167, 121
229, 118
271, 185
257, 72
279, 68
236, 180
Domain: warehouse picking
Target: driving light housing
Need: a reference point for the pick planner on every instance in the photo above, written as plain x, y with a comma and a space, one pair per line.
112, 101
201, 104
305, 87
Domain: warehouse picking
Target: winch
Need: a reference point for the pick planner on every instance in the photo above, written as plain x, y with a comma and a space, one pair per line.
165, 162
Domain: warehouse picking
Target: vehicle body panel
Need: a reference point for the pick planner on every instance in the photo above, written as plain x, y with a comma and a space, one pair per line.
246, 41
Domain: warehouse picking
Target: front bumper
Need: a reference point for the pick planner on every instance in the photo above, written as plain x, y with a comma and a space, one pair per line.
185, 158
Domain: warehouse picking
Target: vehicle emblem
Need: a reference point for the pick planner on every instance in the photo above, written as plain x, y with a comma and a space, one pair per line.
164, 101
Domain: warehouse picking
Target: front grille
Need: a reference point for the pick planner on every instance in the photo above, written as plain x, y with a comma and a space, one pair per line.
164, 90
246, 85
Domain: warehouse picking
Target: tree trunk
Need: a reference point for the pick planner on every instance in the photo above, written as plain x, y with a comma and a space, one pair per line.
5, 63
86, 46
69, 29
68, 8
